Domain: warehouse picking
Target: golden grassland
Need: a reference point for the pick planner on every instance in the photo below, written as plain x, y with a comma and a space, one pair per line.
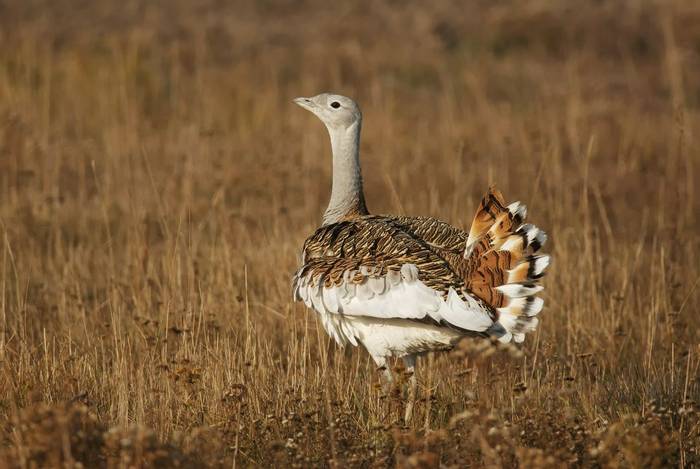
156, 184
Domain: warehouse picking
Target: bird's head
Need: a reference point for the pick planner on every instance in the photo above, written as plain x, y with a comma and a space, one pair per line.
336, 111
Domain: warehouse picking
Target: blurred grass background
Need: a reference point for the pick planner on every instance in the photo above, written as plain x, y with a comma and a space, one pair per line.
156, 185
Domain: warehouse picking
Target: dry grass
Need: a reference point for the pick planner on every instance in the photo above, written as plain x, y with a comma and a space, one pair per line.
156, 185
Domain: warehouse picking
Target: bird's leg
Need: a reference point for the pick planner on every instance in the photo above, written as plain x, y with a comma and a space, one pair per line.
410, 363
388, 380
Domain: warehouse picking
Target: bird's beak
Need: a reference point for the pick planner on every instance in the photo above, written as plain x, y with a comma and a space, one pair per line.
306, 103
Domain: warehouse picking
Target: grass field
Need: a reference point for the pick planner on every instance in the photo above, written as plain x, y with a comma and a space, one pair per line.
156, 185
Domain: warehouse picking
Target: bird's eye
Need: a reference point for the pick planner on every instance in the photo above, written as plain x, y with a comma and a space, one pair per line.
335, 104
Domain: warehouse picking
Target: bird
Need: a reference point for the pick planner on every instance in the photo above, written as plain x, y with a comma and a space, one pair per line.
405, 286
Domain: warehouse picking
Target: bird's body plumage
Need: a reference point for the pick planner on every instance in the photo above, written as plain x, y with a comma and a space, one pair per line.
410, 273
389, 268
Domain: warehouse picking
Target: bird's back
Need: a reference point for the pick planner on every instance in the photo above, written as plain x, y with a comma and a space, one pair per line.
381, 245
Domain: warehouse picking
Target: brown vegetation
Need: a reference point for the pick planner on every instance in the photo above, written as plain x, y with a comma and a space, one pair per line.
156, 184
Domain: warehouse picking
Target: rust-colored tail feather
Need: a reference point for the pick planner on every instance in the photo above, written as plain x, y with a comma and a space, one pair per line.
503, 269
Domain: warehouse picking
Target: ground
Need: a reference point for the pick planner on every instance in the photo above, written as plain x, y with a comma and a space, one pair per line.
157, 183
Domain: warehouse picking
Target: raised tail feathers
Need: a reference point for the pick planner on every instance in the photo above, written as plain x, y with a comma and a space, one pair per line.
504, 267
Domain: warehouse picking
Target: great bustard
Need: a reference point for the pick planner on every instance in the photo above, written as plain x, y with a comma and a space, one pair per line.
402, 286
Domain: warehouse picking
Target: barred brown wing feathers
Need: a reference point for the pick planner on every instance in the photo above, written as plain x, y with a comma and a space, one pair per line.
436, 233
380, 244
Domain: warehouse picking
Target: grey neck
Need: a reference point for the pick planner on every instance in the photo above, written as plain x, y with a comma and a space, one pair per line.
347, 196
